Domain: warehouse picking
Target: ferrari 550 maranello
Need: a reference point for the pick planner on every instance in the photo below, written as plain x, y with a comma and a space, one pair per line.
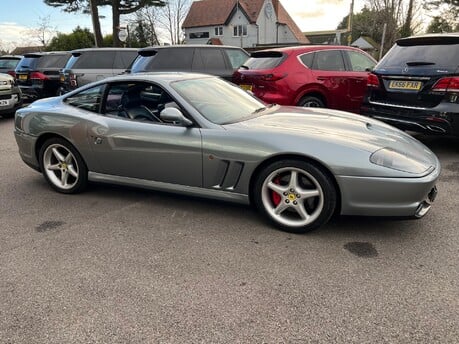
199, 135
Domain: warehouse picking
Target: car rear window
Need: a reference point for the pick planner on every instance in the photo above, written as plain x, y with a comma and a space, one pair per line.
8, 63
91, 60
44, 61
264, 60
174, 59
442, 57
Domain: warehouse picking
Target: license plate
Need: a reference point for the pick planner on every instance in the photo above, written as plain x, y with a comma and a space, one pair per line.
405, 85
4, 102
246, 87
22, 76
62, 78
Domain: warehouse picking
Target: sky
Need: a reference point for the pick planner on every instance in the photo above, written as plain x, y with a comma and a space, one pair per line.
19, 17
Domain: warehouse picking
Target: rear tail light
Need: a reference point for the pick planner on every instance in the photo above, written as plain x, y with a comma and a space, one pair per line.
449, 84
38, 76
73, 80
273, 76
373, 81
12, 73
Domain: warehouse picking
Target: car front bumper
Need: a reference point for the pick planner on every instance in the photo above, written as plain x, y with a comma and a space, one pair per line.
375, 196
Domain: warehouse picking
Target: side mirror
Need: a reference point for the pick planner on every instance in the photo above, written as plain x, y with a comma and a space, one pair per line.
173, 115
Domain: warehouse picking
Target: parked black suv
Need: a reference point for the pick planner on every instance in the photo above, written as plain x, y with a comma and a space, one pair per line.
217, 60
416, 85
38, 73
93, 64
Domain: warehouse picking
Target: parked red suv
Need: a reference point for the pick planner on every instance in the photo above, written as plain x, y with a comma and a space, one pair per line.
315, 75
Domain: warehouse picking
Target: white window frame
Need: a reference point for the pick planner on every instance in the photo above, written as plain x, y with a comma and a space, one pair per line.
238, 30
218, 30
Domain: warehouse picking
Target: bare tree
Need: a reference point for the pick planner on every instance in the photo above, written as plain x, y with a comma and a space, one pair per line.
401, 17
44, 31
163, 23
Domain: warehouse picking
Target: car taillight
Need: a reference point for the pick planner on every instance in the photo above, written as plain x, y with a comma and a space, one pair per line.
38, 76
12, 73
450, 84
273, 76
373, 81
73, 80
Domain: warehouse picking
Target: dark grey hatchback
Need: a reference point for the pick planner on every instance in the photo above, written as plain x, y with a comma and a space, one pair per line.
416, 85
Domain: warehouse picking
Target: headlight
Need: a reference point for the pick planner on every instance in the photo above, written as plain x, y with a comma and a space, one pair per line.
395, 160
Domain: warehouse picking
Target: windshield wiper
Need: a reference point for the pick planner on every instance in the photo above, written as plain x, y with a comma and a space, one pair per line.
419, 63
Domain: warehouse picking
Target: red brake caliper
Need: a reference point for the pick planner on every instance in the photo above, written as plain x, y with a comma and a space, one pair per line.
276, 198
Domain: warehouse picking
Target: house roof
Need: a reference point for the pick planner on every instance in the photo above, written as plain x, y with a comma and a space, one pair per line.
218, 12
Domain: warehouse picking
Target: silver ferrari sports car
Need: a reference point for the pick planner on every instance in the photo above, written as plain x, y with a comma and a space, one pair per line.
199, 135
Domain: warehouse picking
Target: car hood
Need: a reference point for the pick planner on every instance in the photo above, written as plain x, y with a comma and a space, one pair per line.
336, 127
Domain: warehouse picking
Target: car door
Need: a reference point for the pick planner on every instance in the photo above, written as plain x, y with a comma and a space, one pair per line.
358, 65
143, 149
329, 71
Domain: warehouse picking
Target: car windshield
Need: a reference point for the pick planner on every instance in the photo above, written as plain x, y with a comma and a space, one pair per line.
218, 101
8, 63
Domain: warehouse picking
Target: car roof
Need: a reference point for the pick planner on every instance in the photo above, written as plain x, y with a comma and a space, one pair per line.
46, 53
17, 57
189, 46
310, 48
430, 39
103, 49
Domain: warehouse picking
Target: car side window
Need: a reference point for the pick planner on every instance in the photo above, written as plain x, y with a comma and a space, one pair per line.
138, 101
97, 59
236, 57
307, 59
124, 59
213, 59
360, 62
331, 60
89, 99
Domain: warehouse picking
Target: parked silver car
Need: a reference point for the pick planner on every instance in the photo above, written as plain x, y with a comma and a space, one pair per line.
10, 95
200, 135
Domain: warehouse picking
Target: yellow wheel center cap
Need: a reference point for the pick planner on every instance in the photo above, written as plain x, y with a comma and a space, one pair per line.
291, 197
64, 166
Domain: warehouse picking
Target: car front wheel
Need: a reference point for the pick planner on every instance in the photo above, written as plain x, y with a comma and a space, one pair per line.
62, 166
311, 101
297, 196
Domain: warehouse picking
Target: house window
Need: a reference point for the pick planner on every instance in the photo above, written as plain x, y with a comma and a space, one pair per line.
239, 30
219, 31
194, 35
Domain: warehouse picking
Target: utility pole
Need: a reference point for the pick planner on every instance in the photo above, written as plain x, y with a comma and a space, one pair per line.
349, 23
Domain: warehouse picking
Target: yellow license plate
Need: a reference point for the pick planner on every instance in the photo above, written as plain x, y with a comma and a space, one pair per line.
22, 76
246, 87
62, 78
405, 85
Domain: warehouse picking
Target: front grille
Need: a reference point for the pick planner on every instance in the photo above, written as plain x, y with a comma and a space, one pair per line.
5, 96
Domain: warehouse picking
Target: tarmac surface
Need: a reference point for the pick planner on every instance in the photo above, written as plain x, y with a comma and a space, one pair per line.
122, 265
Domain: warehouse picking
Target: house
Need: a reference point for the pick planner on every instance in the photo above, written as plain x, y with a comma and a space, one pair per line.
326, 37
244, 23
27, 50
367, 44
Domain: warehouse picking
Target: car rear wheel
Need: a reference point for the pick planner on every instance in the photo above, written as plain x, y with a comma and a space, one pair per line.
297, 196
311, 101
62, 166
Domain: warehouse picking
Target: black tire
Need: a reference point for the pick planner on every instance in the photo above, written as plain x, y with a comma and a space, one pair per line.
311, 101
302, 210
72, 170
